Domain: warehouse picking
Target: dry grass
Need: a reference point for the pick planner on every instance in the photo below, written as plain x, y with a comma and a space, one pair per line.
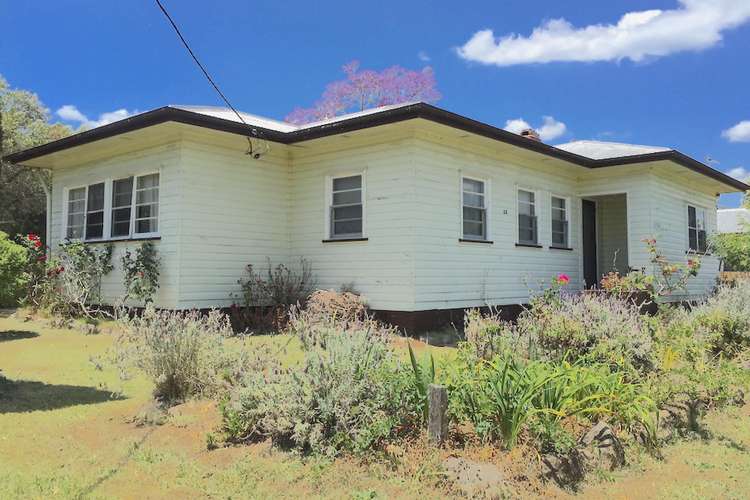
67, 431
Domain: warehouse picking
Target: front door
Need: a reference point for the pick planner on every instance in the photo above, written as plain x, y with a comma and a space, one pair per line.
589, 244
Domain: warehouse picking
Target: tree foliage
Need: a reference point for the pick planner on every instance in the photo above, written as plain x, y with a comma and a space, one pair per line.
24, 123
365, 88
734, 250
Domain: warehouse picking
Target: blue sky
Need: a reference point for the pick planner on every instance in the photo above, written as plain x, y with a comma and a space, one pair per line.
672, 73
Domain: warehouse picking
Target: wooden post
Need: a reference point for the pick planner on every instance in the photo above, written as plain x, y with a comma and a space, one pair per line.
437, 425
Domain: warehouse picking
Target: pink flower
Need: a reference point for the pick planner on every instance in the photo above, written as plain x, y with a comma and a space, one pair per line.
563, 279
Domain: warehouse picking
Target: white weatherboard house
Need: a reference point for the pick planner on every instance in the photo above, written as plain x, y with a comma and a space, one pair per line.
422, 209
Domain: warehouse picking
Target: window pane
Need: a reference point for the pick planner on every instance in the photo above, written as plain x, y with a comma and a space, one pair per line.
525, 196
121, 228
353, 227
147, 196
473, 214
702, 246
146, 211
473, 229
558, 203
527, 229
473, 186
474, 200
121, 221
558, 226
558, 239
691, 217
146, 226
347, 197
353, 182
353, 212
75, 231
96, 197
77, 194
148, 181
76, 207
122, 192
701, 219
693, 239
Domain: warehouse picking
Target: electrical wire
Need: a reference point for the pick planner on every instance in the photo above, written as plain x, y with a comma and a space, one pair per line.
207, 75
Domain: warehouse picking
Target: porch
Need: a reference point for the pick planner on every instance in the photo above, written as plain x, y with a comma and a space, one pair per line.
605, 230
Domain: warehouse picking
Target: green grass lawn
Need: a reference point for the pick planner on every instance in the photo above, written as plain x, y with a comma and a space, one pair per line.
66, 431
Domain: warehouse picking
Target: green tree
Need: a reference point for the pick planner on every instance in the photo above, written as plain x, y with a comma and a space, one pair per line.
24, 123
734, 249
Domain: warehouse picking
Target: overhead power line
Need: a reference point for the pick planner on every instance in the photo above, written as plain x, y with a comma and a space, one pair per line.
208, 76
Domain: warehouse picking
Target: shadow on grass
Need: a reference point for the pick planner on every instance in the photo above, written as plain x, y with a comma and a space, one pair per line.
7, 335
6, 313
17, 396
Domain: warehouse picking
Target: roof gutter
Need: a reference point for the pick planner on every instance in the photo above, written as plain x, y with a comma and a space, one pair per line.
409, 112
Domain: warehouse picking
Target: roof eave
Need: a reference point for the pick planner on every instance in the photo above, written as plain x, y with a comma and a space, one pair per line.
408, 112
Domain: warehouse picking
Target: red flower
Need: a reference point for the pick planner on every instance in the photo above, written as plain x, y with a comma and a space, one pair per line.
37, 243
41, 258
563, 279
32, 237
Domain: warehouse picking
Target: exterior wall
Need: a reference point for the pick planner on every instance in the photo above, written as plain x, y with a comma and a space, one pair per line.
612, 233
452, 274
671, 199
166, 160
381, 268
221, 210
234, 211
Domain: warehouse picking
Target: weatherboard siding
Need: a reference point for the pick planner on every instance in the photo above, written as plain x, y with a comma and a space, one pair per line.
382, 267
452, 274
670, 228
234, 211
165, 160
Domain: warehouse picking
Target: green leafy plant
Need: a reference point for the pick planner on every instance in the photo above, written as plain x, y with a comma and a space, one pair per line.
13, 276
734, 250
670, 277
424, 375
141, 272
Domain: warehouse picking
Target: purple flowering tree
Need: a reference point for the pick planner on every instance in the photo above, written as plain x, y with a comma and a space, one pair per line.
364, 89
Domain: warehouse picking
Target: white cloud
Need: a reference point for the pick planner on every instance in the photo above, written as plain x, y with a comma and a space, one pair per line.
424, 56
695, 25
738, 133
549, 130
740, 173
517, 126
70, 113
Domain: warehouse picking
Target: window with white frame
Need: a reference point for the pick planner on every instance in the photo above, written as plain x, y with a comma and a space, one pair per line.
122, 204
697, 229
95, 212
76, 213
527, 219
133, 211
560, 225
474, 209
147, 204
346, 207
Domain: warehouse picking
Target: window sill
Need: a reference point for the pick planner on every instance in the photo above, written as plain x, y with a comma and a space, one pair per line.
344, 240
561, 248
528, 245
123, 240
486, 242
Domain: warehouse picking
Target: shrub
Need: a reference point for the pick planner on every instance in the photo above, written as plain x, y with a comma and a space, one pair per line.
724, 318
690, 370
141, 273
488, 335
13, 263
734, 250
267, 300
501, 396
348, 395
69, 285
346, 310
634, 283
185, 354
593, 326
